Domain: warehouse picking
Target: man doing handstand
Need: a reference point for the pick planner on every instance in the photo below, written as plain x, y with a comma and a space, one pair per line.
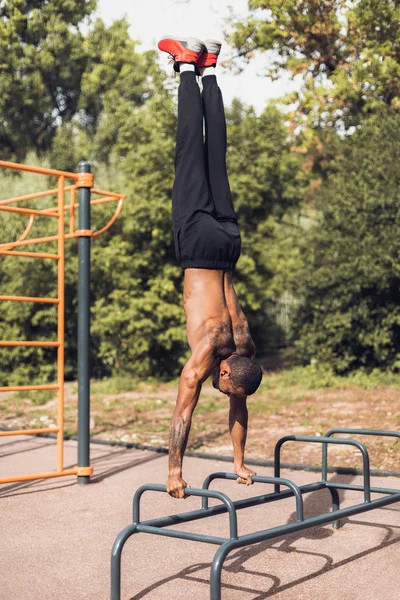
207, 245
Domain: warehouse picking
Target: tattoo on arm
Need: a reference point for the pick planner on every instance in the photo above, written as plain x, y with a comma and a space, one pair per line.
178, 437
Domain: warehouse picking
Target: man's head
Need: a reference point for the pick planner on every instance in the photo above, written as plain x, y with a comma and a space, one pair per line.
238, 375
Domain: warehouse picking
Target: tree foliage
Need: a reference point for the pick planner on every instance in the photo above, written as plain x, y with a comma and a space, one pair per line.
347, 53
350, 281
42, 59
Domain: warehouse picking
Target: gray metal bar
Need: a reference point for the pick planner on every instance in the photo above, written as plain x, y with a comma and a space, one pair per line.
259, 479
84, 328
116, 560
212, 511
185, 535
360, 488
351, 431
324, 441
253, 538
156, 487
260, 536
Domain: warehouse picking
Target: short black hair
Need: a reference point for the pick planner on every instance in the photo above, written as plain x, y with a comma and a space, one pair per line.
245, 373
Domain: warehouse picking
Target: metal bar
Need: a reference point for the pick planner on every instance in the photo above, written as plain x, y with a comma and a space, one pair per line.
326, 440
351, 431
156, 487
40, 170
35, 476
34, 195
28, 431
360, 488
377, 432
27, 388
72, 211
50, 238
267, 534
60, 325
184, 535
104, 193
218, 509
23, 242
29, 211
29, 254
259, 479
84, 328
116, 553
28, 343
30, 299
112, 220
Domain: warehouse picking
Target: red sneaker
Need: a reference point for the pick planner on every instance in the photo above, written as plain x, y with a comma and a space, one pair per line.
210, 56
186, 50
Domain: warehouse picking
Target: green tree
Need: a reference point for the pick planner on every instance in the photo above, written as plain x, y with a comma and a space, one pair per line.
42, 60
350, 279
346, 52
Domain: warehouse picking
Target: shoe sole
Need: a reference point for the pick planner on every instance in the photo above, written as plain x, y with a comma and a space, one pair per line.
176, 48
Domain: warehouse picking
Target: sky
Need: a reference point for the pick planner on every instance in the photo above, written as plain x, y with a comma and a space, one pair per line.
152, 19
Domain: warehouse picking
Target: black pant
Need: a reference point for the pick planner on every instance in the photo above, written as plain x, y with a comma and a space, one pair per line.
205, 225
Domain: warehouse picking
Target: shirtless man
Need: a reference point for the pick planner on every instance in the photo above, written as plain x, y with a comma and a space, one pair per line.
207, 245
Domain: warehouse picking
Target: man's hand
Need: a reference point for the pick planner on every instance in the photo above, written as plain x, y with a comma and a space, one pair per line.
176, 486
244, 475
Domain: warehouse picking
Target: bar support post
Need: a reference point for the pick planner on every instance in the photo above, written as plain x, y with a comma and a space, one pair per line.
84, 234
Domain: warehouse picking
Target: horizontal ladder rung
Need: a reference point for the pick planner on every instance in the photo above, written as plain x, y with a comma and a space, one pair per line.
29, 211
29, 254
30, 299
31, 344
35, 476
29, 431
27, 388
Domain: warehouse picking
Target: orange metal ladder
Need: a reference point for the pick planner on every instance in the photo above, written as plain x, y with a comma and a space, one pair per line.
8, 249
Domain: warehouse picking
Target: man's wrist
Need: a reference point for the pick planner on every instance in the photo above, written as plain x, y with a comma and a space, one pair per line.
175, 472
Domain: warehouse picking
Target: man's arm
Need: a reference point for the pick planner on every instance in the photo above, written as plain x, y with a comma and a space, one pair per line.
195, 372
240, 327
238, 418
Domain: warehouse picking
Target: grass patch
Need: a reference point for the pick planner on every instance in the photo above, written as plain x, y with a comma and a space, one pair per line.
37, 397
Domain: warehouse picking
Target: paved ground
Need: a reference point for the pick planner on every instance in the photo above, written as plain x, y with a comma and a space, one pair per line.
56, 536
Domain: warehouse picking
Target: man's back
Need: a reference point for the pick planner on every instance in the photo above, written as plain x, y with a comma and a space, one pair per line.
213, 314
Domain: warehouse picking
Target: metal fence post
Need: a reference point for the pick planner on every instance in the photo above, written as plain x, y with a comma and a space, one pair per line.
84, 233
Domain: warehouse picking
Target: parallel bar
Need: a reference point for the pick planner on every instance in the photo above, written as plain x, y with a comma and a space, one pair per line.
29, 211
351, 431
212, 511
39, 476
377, 432
28, 431
324, 441
30, 344
194, 537
360, 488
156, 487
260, 479
27, 388
267, 534
30, 299
29, 254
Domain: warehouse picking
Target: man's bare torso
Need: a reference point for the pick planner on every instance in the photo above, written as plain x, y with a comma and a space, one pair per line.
213, 314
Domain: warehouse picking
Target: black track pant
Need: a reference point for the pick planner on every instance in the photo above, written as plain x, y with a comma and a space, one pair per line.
205, 226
